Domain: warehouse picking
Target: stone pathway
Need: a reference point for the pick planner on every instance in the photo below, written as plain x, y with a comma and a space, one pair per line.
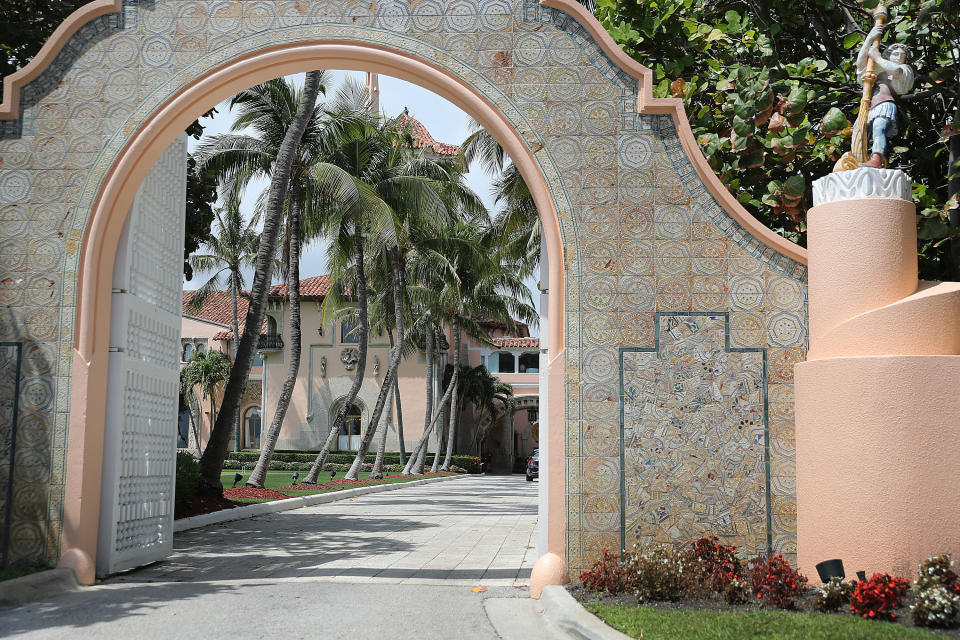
394, 564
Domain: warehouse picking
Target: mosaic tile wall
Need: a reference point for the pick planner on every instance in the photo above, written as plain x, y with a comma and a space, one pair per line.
643, 235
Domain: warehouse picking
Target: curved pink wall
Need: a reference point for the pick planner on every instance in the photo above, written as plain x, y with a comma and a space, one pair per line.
877, 431
878, 443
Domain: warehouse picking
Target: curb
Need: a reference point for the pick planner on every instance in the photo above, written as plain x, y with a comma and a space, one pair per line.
564, 612
264, 508
37, 585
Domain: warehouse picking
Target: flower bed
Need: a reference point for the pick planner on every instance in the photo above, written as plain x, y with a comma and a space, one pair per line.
706, 576
252, 492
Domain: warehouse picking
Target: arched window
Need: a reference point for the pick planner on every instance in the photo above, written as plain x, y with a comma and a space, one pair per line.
349, 436
187, 352
271, 326
251, 421
201, 347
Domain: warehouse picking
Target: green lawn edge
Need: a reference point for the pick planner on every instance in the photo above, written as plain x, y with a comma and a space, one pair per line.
660, 624
277, 479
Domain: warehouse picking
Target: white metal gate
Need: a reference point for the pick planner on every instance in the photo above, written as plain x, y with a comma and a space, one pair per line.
139, 462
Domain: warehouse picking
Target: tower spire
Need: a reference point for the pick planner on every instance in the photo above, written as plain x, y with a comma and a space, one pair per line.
373, 92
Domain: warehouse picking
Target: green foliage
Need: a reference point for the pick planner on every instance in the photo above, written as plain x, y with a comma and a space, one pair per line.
188, 477
770, 89
201, 196
25, 27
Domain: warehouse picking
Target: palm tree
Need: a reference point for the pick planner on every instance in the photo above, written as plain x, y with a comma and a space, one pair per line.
486, 392
279, 166
464, 278
345, 178
517, 222
229, 248
207, 370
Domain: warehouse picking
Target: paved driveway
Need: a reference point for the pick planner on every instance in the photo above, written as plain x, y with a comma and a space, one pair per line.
398, 564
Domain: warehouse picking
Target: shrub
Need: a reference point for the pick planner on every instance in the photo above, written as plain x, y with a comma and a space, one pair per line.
833, 595
936, 606
938, 571
710, 565
659, 575
188, 478
774, 582
877, 597
607, 574
737, 591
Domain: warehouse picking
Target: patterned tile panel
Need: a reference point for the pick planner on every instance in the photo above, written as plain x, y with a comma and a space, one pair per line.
642, 234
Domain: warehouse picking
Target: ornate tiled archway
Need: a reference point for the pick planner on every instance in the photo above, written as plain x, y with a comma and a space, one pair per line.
637, 226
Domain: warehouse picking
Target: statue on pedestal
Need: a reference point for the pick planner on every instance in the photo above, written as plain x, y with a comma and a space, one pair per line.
884, 78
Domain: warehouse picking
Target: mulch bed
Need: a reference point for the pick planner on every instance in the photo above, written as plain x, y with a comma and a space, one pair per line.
251, 492
803, 603
199, 505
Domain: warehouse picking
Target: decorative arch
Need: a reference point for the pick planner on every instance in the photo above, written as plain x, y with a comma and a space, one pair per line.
635, 222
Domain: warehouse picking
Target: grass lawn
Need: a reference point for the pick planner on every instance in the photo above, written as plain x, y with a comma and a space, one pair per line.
277, 479
660, 624
20, 569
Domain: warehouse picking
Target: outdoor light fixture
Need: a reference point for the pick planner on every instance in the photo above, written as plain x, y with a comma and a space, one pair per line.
296, 476
237, 478
862, 576
830, 569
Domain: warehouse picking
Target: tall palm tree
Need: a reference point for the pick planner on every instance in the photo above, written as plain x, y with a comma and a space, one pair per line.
517, 222
279, 166
228, 249
464, 278
346, 180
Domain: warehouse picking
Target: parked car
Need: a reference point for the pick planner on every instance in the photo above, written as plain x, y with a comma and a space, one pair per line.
533, 465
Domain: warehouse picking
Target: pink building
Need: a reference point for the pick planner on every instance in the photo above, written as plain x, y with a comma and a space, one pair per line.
327, 369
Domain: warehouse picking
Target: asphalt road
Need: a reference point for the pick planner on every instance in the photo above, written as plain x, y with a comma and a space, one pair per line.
442, 560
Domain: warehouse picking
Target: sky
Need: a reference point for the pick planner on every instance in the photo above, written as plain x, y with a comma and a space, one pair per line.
445, 122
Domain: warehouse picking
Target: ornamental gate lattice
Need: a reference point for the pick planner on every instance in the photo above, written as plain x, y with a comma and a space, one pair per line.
643, 228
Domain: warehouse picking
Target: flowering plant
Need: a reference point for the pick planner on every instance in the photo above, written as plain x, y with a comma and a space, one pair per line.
711, 565
877, 597
774, 582
833, 594
737, 591
938, 571
660, 574
608, 575
936, 606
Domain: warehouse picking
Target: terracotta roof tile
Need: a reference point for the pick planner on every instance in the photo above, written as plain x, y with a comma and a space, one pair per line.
315, 287
218, 307
422, 138
516, 343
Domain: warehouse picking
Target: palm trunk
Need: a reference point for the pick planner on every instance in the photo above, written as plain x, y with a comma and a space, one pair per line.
196, 411
420, 451
454, 414
211, 464
377, 472
435, 463
396, 396
408, 468
269, 443
234, 285
388, 380
361, 293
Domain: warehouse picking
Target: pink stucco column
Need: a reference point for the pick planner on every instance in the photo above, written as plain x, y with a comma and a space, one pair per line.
876, 405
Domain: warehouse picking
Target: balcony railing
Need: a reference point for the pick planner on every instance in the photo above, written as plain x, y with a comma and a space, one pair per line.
269, 342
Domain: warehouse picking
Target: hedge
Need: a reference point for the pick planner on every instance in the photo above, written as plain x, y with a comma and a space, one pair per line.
249, 458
